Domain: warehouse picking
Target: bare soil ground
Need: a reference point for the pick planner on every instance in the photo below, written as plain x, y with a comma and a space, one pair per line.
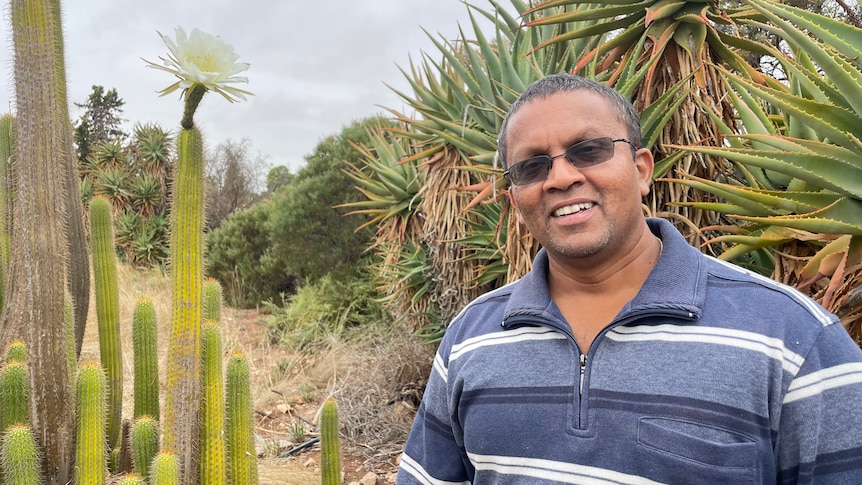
377, 384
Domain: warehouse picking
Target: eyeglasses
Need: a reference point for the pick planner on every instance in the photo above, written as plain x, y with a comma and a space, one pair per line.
581, 155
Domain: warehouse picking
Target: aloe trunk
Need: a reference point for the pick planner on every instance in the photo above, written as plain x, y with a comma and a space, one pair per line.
33, 308
212, 407
90, 456
330, 458
107, 311
165, 469
182, 402
242, 459
146, 358
145, 444
20, 457
14, 394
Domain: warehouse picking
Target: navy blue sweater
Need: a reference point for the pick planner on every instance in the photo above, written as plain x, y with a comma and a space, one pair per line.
710, 375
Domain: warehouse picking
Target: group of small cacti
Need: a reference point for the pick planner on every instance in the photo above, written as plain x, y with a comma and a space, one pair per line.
227, 445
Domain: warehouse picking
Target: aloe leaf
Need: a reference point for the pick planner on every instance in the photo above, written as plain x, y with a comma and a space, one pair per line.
842, 217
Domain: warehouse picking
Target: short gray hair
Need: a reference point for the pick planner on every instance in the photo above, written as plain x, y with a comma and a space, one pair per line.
556, 83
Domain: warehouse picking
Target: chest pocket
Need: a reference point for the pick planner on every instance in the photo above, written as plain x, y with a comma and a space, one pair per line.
695, 442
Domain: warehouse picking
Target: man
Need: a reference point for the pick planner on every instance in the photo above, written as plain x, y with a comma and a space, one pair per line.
626, 356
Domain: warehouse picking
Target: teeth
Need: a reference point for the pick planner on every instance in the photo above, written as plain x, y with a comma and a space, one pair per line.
571, 209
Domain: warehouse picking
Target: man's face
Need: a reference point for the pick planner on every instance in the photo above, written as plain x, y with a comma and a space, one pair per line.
576, 213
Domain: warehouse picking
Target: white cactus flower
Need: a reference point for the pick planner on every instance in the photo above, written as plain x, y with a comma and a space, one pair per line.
203, 59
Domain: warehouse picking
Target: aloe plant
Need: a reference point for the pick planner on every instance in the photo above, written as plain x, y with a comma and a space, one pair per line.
799, 166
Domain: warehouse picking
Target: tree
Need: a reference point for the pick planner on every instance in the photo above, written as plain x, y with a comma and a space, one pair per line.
234, 179
278, 177
309, 232
100, 122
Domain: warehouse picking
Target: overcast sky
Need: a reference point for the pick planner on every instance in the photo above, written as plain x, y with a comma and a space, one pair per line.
315, 66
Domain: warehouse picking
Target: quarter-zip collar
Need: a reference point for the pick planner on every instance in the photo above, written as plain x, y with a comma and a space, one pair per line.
675, 286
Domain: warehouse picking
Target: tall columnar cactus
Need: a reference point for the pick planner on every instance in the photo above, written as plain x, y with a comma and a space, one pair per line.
90, 456
20, 457
146, 358
330, 458
6, 141
107, 311
182, 402
165, 469
145, 444
78, 281
211, 309
14, 394
212, 407
242, 459
33, 308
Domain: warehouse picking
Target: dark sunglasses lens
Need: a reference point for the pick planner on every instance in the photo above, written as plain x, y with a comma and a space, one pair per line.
591, 152
530, 170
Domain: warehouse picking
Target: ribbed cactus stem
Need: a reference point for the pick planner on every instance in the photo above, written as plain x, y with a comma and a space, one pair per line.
16, 350
6, 142
330, 457
241, 463
212, 407
146, 357
165, 469
182, 401
107, 311
145, 444
212, 300
90, 466
14, 394
20, 457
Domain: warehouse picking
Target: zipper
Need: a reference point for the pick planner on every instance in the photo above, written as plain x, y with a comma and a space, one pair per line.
583, 374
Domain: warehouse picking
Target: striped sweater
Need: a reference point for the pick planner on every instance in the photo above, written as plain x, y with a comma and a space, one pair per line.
710, 375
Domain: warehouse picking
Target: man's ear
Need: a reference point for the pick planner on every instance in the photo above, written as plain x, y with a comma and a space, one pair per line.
644, 163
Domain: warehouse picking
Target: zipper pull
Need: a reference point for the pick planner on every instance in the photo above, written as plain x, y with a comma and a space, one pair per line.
583, 372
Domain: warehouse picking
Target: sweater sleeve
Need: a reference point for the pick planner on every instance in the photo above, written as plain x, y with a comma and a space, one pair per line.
432, 454
820, 432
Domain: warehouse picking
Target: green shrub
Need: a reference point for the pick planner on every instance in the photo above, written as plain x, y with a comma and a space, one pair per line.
238, 257
327, 307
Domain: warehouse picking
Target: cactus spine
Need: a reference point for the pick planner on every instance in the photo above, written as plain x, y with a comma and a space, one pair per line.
242, 459
16, 350
90, 453
182, 402
146, 358
20, 457
107, 311
165, 469
14, 394
330, 458
212, 407
145, 444
212, 301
